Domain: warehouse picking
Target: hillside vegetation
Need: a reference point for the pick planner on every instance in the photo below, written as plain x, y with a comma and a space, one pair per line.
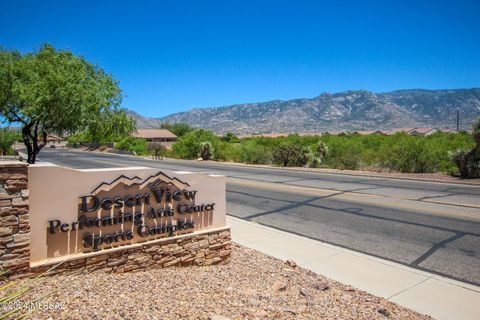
399, 152
456, 153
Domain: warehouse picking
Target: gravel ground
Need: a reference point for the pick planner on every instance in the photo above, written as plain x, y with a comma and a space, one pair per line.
251, 286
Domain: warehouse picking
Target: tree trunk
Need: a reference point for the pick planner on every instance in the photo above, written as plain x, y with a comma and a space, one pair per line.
30, 139
26, 140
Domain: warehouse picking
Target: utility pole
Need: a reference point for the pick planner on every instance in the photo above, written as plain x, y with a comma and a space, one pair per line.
458, 119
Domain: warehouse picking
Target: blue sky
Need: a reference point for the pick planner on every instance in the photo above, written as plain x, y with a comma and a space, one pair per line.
172, 56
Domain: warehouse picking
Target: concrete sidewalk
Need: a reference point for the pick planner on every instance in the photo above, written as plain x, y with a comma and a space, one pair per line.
424, 292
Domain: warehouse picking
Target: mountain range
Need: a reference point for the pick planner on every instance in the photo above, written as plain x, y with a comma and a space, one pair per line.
349, 110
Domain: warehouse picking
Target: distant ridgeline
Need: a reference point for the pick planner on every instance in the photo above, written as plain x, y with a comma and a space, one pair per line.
350, 110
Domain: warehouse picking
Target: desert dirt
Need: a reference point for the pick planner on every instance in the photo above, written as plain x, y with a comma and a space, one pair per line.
251, 286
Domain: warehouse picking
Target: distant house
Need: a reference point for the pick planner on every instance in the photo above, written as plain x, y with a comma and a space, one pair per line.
368, 132
265, 135
447, 130
423, 131
405, 130
155, 135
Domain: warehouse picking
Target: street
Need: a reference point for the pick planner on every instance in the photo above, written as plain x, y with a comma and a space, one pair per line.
426, 225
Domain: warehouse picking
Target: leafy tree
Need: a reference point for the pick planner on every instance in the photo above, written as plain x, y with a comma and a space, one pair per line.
53, 91
7, 138
178, 129
206, 150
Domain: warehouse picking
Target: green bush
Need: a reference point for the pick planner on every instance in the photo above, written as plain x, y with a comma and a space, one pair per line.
225, 151
468, 161
230, 137
405, 153
251, 152
291, 155
188, 146
344, 154
7, 138
132, 144
399, 152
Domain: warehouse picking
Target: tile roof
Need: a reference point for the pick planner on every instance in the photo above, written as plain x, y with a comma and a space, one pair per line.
154, 134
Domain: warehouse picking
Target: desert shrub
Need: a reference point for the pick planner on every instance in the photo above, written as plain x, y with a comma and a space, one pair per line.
225, 151
459, 157
321, 149
402, 152
188, 146
343, 153
133, 144
306, 154
406, 153
315, 162
206, 150
424, 157
291, 155
317, 153
399, 152
230, 138
468, 161
7, 138
251, 152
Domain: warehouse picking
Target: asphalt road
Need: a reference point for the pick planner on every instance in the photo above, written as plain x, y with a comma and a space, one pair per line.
427, 225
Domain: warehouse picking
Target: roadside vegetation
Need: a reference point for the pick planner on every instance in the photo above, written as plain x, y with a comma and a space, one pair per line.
440, 152
455, 153
7, 138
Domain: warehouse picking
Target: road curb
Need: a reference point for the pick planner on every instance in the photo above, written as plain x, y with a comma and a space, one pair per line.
332, 173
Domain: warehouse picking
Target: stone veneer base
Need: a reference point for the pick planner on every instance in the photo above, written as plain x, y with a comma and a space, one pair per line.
201, 249
14, 217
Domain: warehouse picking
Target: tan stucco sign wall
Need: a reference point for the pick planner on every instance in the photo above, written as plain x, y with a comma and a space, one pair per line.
77, 211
